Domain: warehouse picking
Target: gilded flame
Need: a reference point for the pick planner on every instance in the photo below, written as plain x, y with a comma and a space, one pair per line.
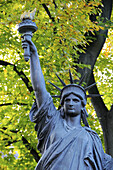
28, 15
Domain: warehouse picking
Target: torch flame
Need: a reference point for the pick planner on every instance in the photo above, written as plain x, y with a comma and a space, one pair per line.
28, 15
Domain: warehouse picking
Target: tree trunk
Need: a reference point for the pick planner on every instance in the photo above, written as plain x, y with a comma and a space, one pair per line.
89, 58
105, 117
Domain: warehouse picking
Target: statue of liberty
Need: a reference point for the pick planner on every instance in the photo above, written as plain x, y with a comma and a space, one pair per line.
63, 142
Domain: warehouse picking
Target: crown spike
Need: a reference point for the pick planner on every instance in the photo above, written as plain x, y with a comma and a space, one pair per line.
81, 80
94, 95
55, 96
87, 88
76, 81
55, 86
61, 80
71, 79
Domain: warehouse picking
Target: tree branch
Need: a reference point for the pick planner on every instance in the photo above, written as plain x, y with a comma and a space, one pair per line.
25, 142
6, 104
111, 110
54, 4
97, 102
24, 78
105, 118
48, 12
5, 63
32, 151
11, 142
94, 48
20, 73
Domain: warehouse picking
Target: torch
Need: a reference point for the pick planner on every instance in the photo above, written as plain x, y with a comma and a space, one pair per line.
27, 27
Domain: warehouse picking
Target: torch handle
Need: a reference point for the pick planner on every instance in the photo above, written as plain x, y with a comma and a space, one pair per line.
26, 53
27, 47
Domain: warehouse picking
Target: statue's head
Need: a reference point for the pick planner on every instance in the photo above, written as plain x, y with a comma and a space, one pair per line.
73, 99
73, 94
72, 106
75, 89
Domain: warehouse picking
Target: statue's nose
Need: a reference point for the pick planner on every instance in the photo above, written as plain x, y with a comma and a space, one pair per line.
71, 102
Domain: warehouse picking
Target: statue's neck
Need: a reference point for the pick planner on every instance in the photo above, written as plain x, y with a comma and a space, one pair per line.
73, 121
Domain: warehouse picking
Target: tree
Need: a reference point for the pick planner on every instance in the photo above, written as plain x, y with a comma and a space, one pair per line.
90, 57
67, 32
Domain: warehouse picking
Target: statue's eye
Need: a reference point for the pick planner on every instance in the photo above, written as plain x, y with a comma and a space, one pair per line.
67, 100
75, 100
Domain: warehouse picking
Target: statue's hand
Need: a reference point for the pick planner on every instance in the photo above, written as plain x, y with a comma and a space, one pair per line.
27, 42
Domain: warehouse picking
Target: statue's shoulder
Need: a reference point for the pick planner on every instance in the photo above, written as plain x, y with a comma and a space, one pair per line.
91, 132
88, 129
46, 109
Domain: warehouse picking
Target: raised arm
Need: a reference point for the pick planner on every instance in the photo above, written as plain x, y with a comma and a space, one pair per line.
37, 77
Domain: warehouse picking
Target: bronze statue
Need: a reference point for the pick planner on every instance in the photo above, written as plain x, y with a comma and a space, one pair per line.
63, 142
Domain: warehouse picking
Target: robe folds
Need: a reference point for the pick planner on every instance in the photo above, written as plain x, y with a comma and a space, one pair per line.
64, 147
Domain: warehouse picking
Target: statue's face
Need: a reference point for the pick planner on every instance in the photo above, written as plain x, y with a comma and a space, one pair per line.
72, 105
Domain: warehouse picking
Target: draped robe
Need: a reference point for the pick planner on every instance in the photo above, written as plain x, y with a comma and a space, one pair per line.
63, 147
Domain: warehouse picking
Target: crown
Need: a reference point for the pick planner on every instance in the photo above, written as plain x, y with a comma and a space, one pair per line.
76, 89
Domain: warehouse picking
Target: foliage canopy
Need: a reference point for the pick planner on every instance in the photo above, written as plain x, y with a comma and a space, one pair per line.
62, 26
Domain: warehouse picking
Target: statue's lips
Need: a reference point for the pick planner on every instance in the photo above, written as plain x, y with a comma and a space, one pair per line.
71, 108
